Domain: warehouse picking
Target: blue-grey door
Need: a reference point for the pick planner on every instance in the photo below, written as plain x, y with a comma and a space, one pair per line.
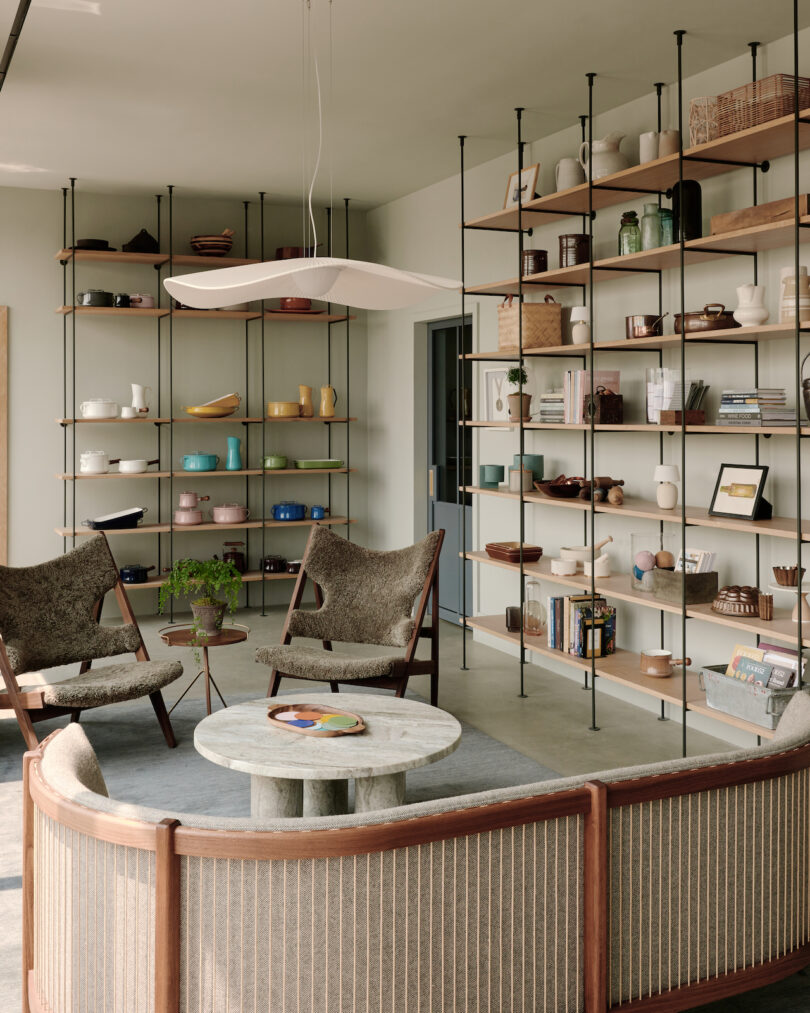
446, 445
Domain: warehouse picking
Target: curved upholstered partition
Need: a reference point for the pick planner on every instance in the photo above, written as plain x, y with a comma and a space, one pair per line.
664, 886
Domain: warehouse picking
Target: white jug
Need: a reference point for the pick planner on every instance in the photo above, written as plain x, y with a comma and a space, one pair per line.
567, 173
139, 397
751, 310
606, 156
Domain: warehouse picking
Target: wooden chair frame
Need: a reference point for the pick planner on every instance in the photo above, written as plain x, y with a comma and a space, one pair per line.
404, 667
29, 707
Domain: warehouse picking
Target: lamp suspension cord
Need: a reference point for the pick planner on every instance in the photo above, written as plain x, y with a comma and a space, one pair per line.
310, 229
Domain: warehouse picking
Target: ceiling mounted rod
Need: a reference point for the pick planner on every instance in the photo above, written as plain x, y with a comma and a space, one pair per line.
13, 39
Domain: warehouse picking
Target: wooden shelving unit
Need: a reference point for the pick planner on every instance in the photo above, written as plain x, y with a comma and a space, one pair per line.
165, 529
245, 472
753, 147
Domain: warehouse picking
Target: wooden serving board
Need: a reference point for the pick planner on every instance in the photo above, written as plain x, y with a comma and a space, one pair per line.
310, 708
762, 214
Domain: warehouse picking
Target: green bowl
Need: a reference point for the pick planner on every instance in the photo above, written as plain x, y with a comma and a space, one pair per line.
319, 463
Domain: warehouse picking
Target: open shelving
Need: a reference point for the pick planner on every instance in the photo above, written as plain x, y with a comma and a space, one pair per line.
750, 149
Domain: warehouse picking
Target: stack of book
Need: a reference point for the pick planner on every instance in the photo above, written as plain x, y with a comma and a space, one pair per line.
769, 665
552, 406
756, 406
697, 561
577, 391
581, 626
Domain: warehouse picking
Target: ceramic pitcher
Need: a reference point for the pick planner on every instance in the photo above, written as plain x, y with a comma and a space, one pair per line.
605, 156
751, 309
328, 402
139, 397
567, 173
306, 410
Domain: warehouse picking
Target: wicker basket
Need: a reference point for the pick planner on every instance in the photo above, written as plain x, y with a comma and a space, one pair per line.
758, 102
703, 120
542, 324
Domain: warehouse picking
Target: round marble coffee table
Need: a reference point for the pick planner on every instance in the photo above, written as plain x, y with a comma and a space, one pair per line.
294, 775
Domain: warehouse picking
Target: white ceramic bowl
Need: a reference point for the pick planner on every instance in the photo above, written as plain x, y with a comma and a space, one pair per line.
99, 408
94, 462
563, 567
133, 467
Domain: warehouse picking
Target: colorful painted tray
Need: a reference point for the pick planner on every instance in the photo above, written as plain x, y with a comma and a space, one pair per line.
312, 719
319, 463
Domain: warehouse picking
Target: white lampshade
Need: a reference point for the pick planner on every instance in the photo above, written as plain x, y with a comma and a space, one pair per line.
666, 473
579, 315
345, 282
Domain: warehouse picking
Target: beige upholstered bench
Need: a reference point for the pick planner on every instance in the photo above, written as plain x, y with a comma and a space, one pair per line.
663, 886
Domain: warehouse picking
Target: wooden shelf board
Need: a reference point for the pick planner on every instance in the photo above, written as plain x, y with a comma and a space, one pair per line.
227, 418
315, 418
162, 529
195, 260
250, 576
778, 527
701, 707
215, 315
111, 257
309, 471
114, 474
766, 141
621, 667
125, 422
222, 473
307, 318
644, 427
113, 311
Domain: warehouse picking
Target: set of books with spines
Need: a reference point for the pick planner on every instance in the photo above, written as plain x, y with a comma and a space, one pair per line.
768, 665
756, 406
581, 626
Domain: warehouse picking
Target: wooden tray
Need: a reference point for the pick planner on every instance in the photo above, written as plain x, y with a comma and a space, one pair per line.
312, 708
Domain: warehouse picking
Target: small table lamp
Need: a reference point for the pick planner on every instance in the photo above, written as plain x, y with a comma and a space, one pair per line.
580, 331
667, 494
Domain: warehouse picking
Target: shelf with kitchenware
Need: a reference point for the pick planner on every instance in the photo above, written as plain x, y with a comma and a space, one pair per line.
268, 472
165, 528
65, 256
248, 577
755, 239
644, 427
147, 313
764, 141
632, 506
623, 668
230, 418
619, 587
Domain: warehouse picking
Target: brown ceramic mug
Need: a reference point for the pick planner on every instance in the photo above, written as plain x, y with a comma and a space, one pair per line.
659, 664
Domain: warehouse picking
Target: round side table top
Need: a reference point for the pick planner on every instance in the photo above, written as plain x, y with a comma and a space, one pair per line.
400, 735
185, 636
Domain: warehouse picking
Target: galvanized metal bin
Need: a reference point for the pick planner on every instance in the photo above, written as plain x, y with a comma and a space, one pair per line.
746, 700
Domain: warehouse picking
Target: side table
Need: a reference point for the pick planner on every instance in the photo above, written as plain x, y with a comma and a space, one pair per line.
187, 636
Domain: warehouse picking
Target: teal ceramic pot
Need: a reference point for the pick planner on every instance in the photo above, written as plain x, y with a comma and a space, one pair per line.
532, 463
200, 462
490, 475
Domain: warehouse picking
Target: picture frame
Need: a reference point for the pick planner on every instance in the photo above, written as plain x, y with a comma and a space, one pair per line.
528, 185
738, 492
495, 391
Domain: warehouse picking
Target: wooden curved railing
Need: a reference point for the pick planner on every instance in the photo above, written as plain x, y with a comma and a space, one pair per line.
597, 804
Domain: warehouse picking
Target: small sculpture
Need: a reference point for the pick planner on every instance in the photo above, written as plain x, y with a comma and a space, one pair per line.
615, 495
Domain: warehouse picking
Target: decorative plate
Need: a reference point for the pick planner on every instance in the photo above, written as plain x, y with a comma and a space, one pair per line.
312, 719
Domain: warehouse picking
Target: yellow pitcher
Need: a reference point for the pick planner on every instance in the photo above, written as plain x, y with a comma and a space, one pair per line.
328, 402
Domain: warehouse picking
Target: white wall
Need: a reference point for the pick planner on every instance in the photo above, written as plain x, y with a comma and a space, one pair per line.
421, 232
209, 360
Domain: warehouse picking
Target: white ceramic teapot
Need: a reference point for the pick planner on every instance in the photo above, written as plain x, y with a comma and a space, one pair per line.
751, 310
606, 156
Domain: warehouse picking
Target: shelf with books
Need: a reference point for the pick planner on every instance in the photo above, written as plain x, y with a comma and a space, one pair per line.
647, 427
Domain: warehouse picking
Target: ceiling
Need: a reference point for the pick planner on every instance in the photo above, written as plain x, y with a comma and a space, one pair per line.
208, 95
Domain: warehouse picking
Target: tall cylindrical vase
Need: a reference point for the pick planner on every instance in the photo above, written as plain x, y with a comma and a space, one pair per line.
233, 461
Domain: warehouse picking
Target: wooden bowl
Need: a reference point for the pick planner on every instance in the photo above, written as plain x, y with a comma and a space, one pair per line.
211, 246
559, 491
509, 552
282, 409
787, 576
308, 708
209, 411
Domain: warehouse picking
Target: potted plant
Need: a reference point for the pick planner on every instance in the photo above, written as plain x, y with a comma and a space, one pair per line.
212, 587
519, 404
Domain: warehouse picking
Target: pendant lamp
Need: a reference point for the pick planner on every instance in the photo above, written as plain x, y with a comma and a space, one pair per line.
358, 283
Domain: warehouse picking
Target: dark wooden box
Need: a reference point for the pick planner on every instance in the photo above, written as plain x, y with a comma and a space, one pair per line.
608, 408
700, 587
694, 417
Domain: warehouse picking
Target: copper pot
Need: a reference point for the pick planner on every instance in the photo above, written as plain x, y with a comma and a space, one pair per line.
713, 317
644, 325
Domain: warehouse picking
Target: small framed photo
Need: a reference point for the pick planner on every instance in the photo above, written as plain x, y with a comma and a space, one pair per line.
521, 191
496, 406
738, 492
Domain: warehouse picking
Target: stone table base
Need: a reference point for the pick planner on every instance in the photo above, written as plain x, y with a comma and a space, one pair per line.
283, 798
382, 792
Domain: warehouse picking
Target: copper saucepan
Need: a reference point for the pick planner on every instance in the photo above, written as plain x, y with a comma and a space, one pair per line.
644, 325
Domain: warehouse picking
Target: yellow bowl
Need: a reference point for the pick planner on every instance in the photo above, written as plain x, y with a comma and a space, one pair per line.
227, 401
282, 409
206, 411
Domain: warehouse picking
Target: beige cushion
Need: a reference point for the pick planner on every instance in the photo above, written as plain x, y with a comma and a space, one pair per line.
311, 663
70, 765
110, 684
795, 722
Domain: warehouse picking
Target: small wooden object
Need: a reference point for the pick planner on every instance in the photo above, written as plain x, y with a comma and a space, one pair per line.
608, 408
615, 496
765, 606
762, 214
542, 324
321, 733
694, 417
700, 587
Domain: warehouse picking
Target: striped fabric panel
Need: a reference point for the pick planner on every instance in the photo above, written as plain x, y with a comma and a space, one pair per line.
93, 923
707, 883
486, 922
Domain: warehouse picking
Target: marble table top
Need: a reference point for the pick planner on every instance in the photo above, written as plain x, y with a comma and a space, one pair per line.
400, 734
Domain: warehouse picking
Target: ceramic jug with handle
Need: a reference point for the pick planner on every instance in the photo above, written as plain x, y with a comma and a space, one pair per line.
328, 402
751, 310
567, 173
605, 156
139, 397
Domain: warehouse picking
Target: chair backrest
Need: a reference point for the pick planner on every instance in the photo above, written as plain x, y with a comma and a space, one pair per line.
368, 595
48, 611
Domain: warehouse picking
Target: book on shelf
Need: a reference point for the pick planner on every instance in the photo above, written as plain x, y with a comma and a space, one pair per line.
767, 665
577, 391
578, 624
696, 561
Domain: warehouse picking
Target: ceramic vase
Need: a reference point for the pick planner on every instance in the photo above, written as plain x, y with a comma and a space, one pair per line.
751, 309
233, 462
305, 409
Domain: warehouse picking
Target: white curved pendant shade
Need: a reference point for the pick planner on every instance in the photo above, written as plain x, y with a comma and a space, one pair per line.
345, 282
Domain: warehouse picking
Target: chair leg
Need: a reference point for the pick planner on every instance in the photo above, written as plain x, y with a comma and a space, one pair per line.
403, 685
434, 688
334, 686
275, 682
26, 726
74, 716
163, 718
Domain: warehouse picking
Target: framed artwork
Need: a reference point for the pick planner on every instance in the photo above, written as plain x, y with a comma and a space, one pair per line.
738, 492
522, 191
496, 406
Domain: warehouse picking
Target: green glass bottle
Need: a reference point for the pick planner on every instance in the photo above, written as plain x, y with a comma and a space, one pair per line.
667, 233
650, 227
629, 234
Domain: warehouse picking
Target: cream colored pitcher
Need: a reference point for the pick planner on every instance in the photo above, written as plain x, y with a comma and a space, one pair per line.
328, 402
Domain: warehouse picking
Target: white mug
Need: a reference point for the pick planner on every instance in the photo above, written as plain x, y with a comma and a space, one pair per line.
567, 173
648, 146
668, 142
127, 412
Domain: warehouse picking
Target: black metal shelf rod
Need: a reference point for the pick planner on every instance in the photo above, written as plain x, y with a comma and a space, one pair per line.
461, 439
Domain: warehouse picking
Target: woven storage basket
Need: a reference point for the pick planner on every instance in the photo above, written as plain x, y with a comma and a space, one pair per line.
542, 323
758, 102
703, 120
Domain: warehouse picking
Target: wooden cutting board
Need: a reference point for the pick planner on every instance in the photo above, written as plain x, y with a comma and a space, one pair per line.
763, 214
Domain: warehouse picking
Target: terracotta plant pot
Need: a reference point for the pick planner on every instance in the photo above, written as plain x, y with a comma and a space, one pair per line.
514, 406
208, 617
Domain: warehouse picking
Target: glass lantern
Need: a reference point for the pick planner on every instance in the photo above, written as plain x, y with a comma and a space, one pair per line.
534, 612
